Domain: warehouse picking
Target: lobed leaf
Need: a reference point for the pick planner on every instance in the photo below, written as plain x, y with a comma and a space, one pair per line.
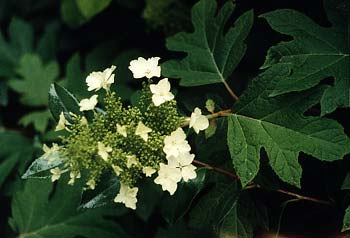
278, 125
53, 213
314, 54
212, 54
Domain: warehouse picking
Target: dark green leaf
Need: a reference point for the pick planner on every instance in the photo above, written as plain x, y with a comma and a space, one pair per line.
38, 211
314, 54
223, 212
103, 198
41, 166
212, 54
16, 151
346, 183
279, 126
183, 198
61, 100
148, 198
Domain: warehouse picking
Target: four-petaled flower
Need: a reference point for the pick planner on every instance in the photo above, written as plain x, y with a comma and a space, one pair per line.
142, 131
198, 121
176, 143
62, 123
122, 130
127, 196
91, 184
50, 152
88, 104
148, 171
73, 175
168, 177
103, 150
183, 162
161, 92
131, 160
145, 68
98, 80
56, 174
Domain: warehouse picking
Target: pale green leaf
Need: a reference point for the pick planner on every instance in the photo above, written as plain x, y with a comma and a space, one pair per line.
39, 119
346, 221
278, 125
71, 14
90, 8
212, 54
40, 211
314, 54
34, 80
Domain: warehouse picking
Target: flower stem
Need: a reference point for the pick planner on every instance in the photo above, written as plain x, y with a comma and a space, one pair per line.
223, 113
253, 185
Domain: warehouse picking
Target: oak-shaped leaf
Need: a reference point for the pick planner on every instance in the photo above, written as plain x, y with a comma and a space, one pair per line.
212, 54
315, 53
278, 125
41, 211
34, 80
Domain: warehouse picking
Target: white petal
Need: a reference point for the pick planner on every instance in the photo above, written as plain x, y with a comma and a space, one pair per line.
188, 172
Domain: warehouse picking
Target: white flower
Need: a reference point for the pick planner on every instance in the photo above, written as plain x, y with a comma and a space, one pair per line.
161, 92
56, 174
103, 150
142, 131
122, 130
117, 169
168, 177
183, 159
50, 152
188, 172
131, 160
62, 123
91, 183
183, 162
176, 143
148, 171
98, 80
145, 68
88, 103
127, 196
198, 121
73, 175
83, 121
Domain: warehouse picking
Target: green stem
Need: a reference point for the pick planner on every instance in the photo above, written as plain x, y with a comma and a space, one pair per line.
223, 113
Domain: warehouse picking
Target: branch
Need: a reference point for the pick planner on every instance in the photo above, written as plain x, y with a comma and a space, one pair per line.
252, 185
230, 91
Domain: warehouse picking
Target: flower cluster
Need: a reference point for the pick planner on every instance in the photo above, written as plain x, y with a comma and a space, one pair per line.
129, 142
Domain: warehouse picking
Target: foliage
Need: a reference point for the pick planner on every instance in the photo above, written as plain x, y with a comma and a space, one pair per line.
315, 53
279, 134
278, 125
212, 54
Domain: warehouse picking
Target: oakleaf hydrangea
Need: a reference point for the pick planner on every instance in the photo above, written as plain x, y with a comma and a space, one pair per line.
130, 142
